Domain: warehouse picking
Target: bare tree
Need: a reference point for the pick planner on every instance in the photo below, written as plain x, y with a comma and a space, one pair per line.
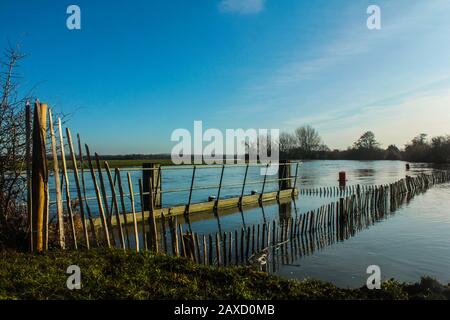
12, 153
288, 141
308, 138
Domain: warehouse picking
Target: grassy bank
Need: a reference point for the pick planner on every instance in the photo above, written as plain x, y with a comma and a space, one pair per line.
113, 274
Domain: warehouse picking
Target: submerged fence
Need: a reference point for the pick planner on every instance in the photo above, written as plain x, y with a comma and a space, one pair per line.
303, 233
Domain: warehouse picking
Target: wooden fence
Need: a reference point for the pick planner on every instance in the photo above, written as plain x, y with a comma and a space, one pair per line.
121, 212
145, 225
304, 233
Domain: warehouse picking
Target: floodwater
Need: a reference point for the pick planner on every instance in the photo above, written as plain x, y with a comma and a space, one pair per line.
411, 242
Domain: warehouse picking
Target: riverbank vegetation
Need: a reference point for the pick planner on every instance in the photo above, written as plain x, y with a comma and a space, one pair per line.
115, 274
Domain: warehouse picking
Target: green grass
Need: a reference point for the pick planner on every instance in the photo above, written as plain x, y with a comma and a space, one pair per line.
114, 274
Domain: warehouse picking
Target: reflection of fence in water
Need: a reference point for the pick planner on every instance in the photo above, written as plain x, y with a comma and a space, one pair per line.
286, 240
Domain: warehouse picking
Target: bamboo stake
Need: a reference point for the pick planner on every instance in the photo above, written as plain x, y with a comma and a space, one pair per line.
173, 234
108, 213
253, 239
67, 188
257, 239
133, 211
115, 205
191, 241
163, 227
224, 249
183, 244
153, 229
242, 245
236, 249
124, 209
144, 232
205, 254
59, 205
98, 196
245, 234
210, 250
197, 247
77, 183
88, 209
230, 247
218, 250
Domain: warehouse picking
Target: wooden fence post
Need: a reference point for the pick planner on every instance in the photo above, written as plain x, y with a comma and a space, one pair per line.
39, 175
151, 171
284, 175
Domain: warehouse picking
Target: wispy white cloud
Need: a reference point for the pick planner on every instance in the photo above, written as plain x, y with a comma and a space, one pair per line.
241, 6
351, 43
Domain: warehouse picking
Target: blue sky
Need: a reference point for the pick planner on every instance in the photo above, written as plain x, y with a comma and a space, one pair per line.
138, 70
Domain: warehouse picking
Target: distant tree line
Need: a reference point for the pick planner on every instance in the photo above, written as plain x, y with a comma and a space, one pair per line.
306, 143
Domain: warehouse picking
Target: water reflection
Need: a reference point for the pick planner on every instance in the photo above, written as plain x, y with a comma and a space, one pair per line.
364, 173
329, 232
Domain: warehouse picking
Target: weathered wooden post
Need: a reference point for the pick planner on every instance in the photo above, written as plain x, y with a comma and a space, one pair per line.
284, 175
152, 171
39, 175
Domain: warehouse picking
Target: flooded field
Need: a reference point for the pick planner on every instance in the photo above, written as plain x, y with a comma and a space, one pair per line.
410, 242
